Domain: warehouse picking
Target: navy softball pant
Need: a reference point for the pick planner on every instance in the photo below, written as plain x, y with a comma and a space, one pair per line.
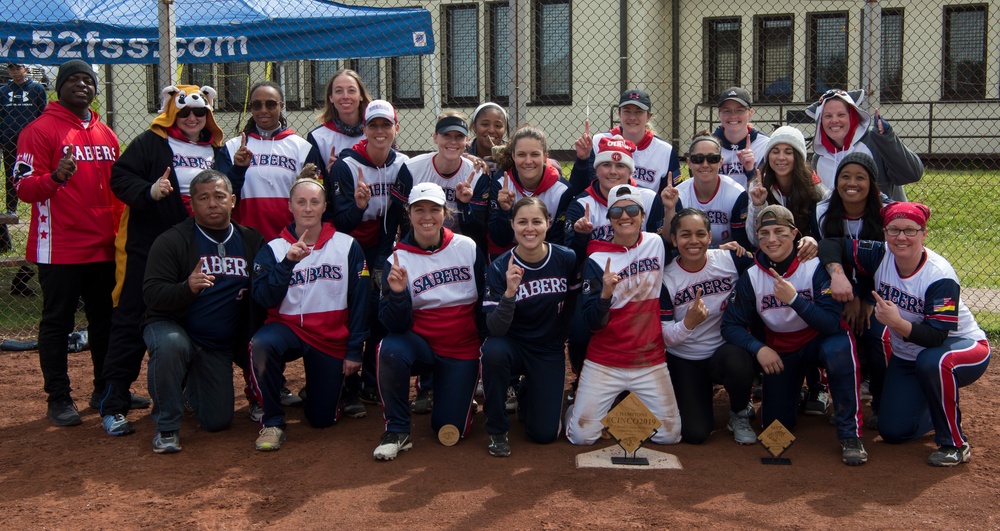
539, 401
272, 346
922, 395
693, 381
835, 353
403, 355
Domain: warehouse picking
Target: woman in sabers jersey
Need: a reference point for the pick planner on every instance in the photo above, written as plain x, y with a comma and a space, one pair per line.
277, 155
340, 124
936, 344
432, 288
721, 198
696, 286
743, 145
527, 305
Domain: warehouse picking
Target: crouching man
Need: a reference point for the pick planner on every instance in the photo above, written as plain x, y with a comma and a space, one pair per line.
199, 311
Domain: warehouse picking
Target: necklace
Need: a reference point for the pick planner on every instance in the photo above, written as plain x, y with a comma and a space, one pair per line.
219, 246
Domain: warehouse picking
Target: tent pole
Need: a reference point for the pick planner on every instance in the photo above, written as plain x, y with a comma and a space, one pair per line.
435, 92
167, 43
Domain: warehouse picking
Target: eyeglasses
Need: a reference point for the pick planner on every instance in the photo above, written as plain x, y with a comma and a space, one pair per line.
733, 112
894, 232
200, 112
257, 105
616, 212
698, 158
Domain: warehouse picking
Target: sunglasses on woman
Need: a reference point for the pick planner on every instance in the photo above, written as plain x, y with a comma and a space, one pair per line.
698, 158
200, 112
616, 212
257, 105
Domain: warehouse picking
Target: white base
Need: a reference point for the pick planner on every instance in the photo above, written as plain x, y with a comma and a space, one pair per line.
602, 459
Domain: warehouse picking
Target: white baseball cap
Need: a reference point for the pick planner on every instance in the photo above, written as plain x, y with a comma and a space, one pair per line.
624, 192
427, 192
380, 109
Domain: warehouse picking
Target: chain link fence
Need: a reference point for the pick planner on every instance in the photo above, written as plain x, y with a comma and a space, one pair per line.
931, 69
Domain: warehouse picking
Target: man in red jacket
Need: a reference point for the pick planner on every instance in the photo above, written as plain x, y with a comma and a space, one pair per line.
63, 167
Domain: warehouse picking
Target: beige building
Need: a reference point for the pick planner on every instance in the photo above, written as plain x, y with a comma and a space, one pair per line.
932, 68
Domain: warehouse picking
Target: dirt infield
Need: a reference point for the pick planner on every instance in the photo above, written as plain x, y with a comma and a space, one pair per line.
79, 478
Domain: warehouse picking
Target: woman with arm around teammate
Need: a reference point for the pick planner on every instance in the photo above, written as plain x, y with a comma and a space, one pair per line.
937, 346
314, 284
430, 306
621, 288
697, 284
527, 306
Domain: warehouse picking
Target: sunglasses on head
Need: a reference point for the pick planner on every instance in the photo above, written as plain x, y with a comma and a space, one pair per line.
257, 105
200, 112
616, 212
831, 93
698, 158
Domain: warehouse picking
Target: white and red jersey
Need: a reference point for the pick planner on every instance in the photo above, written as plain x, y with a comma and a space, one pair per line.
653, 158
275, 164
365, 226
190, 159
421, 169
726, 209
74, 222
444, 289
786, 331
716, 278
330, 141
731, 165
930, 295
632, 337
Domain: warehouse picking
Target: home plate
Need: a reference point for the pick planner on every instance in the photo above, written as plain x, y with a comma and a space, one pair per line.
602, 459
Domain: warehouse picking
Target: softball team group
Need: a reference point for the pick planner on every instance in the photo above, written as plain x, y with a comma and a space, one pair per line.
479, 263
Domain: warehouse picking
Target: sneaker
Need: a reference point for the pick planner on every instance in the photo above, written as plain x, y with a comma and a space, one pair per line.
391, 444
166, 442
571, 394
423, 403
369, 395
866, 390
353, 407
750, 413
63, 413
288, 398
511, 404
499, 445
116, 425
817, 403
479, 389
139, 402
256, 412
854, 452
739, 424
270, 439
947, 455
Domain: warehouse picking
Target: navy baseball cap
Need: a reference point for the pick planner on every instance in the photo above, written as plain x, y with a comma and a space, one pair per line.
738, 94
637, 97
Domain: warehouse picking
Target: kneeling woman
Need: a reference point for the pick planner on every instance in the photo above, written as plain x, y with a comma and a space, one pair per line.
434, 285
937, 346
697, 285
313, 281
622, 283
527, 314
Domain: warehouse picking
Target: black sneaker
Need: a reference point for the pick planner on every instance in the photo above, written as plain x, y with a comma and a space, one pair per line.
139, 402
423, 403
947, 455
369, 395
854, 452
63, 413
353, 407
499, 445
391, 444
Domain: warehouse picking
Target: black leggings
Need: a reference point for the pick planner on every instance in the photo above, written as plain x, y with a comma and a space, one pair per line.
731, 366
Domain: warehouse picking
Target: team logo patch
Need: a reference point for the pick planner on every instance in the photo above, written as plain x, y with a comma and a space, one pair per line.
588, 287
336, 188
488, 293
22, 169
617, 157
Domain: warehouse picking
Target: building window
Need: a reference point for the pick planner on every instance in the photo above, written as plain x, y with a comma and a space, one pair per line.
722, 56
553, 58
827, 53
461, 55
964, 53
407, 81
501, 53
321, 72
236, 85
287, 75
153, 88
891, 75
199, 75
370, 73
774, 55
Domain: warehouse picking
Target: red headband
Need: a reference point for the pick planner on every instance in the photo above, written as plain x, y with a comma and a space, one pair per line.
915, 212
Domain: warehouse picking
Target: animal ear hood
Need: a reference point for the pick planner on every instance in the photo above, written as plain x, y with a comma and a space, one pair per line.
174, 98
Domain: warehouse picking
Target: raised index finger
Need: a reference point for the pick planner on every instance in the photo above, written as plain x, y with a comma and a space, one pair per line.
166, 174
506, 180
361, 178
303, 237
774, 273
697, 294
877, 298
471, 175
586, 127
201, 263
68, 152
670, 179
607, 266
586, 211
395, 259
748, 140
243, 140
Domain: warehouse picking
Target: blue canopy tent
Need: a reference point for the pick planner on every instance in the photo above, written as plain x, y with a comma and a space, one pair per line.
208, 31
